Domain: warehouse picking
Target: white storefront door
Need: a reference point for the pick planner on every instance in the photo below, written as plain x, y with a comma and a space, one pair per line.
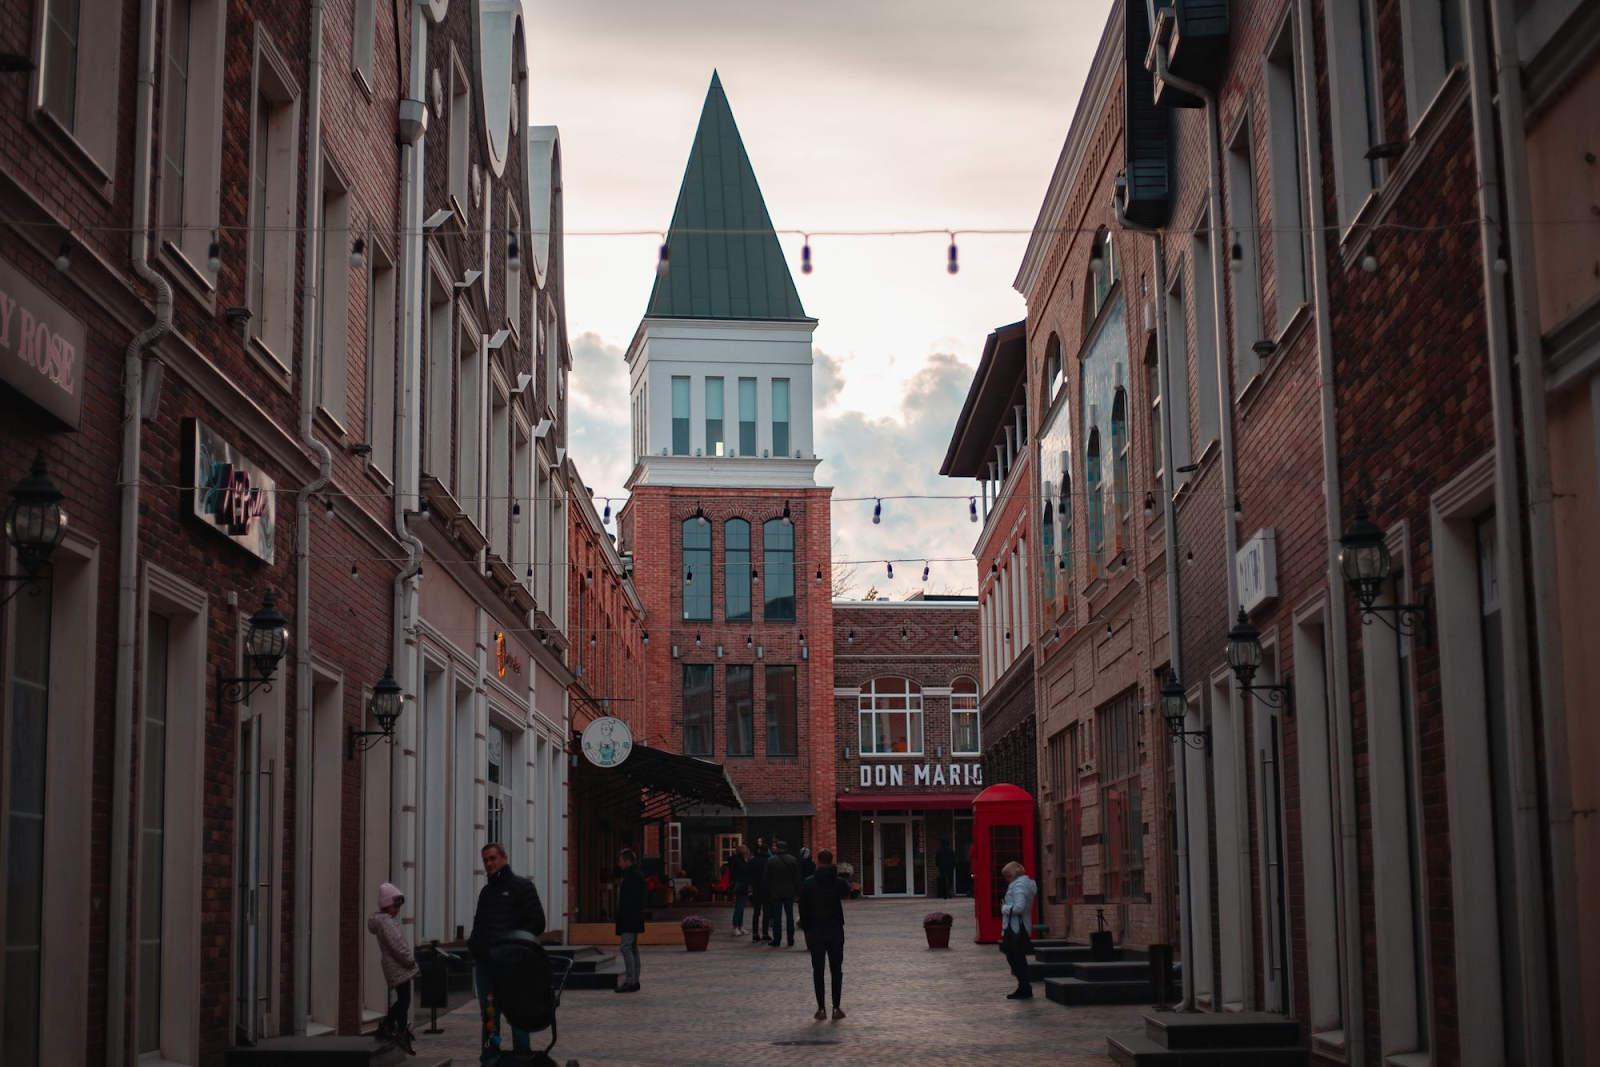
893, 856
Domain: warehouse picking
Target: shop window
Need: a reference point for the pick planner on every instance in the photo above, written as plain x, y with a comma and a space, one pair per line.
783, 724
777, 560
1118, 723
740, 703
964, 736
697, 709
890, 711
736, 570
696, 569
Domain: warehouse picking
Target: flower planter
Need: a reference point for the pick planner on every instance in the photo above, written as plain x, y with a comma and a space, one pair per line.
695, 939
938, 935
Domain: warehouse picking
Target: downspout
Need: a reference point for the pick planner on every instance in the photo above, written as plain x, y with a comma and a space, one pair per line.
1230, 529
1509, 557
1352, 1013
1174, 614
310, 346
128, 543
1546, 646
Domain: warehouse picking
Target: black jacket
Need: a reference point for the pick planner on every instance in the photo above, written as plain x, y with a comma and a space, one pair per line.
630, 902
737, 873
822, 903
507, 902
945, 860
754, 873
782, 877
808, 867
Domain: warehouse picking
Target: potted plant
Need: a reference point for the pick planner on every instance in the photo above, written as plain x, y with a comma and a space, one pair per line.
936, 925
696, 932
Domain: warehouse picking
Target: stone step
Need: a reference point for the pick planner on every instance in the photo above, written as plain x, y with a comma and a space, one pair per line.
1083, 954
1137, 1050
1120, 971
1038, 972
1220, 1030
323, 1052
1075, 991
605, 976
585, 958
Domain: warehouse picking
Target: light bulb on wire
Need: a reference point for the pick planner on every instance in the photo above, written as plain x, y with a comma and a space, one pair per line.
890, 567
1236, 256
805, 256
925, 569
663, 261
64, 254
358, 254
513, 259
877, 512
214, 256
953, 265
972, 508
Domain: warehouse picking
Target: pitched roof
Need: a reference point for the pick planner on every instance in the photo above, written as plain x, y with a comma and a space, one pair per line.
724, 258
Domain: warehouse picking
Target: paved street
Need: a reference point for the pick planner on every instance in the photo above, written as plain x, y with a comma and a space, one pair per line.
740, 1002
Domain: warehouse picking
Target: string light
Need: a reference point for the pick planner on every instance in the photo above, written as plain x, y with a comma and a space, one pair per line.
688, 576
663, 260
877, 512
605, 516
904, 634
819, 575
696, 640
850, 638
358, 253
516, 513
925, 569
953, 265
64, 255
214, 256
327, 507
805, 256
1149, 505
354, 573
891, 569
1097, 259
972, 508
786, 519
699, 515
1369, 261
1236, 256
513, 259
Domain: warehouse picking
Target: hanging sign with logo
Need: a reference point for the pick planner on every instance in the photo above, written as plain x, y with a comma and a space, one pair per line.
41, 348
1256, 566
607, 741
503, 660
230, 494
922, 774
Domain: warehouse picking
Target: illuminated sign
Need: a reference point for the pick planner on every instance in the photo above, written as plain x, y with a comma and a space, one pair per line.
503, 660
229, 493
924, 774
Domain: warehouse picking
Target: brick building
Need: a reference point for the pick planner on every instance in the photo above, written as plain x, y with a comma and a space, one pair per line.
728, 530
905, 696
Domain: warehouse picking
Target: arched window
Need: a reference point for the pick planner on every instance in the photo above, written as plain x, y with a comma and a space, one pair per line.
736, 570
1064, 521
1055, 376
1119, 466
1157, 456
1096, 495
777, 541
1102, 275
891, 717
964, 738
696, 569
1047, 541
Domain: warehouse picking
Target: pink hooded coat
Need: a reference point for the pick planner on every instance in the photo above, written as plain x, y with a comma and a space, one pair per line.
399, 964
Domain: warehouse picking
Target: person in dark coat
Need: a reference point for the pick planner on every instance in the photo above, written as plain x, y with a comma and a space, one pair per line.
808, 866
739, 882
630, 918
822, 918
945, 860
755, 871
507, 902
782, 875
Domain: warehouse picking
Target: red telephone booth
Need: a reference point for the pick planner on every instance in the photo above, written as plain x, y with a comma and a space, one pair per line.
1002, 831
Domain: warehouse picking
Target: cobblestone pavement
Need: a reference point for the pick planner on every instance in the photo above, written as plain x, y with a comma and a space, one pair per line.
744, 1003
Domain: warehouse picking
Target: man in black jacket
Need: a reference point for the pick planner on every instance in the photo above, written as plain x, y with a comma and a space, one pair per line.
630, 919
755, 872
945, 861
507, 902
782, 876
822, 918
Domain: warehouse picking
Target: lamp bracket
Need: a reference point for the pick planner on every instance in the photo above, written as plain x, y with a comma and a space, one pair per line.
1196, 739
362, 740
238, 690
31, 581
1410, 620
1277, 696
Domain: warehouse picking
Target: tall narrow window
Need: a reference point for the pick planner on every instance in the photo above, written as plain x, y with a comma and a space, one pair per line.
513, 277
1286, 167
780, 416
1064, 519
714, 441
1353, 94
498, 781
747, 416
1244, 256
274, 187
1118, 726
497, 495
777, 560
29, 663
697, 570
964, 739
460, 133
736, 570
152, 837
680, 416
441, 382
61, 40
1178, 366
1100, 280
362, 48
469, 424
333, 309
891, 717
697, 708
78, 85
1072, 813
1121, 492
1091, 472
1055, 376
783, 721
381, 359
1205, 341
1152, 371
259, 236
741, 703
1047, 543
174, 122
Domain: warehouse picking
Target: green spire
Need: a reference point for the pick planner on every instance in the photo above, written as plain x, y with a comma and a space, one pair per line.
721, 274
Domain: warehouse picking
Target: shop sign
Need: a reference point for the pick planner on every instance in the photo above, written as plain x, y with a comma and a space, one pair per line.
230, 493
887, 774
41, 348
1256, 565
607, 741
503, 660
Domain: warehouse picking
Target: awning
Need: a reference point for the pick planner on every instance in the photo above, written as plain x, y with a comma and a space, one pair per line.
669, 780
779, 809
921, 801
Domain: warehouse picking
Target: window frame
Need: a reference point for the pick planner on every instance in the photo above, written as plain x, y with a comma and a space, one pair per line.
716, 437
975, 711
332, 353
778, 565
701, 557
682, 423
363, 46
382, 355
1286, 166
1120, 772
88, 136
780, 743
732, 580
458, 106
739, 705
1244, 289
783, 452
273, 206
705, 718
749, 428
868, 712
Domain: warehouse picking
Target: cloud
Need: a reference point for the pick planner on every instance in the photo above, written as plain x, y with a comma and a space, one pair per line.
827, 379
600, 423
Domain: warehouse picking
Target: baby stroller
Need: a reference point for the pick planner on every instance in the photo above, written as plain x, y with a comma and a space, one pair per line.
528, 982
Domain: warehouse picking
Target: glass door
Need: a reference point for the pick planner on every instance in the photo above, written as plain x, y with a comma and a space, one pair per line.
894, 857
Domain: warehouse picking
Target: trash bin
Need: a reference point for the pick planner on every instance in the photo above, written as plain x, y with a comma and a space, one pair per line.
1161, 989
434, 977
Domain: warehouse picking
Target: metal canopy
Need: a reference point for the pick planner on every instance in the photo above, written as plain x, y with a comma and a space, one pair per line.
996, 388
668, 780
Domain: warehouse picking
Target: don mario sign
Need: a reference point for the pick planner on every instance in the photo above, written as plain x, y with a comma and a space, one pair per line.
924, 774
41, 348
230, 494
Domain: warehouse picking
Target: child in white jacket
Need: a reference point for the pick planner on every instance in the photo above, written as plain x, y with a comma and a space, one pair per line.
399, 966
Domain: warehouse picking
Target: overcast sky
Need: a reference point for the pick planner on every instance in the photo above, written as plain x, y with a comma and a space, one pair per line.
857, 114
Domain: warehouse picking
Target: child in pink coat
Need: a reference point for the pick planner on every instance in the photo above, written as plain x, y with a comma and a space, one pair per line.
399, 966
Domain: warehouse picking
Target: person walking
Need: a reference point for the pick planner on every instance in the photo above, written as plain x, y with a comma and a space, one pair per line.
738, 878
630, 918
783, 885
822, 918
945, 861
506, 902
399, 967
1016, 913
755, 871
808, 866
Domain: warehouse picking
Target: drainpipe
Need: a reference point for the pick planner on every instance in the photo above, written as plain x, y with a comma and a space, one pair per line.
1509, 555
128, 544
309, 345
1230, 529
1547, 649
1348, 858
1174, 614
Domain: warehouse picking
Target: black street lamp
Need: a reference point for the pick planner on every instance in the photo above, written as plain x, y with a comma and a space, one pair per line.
1244, 656
264, 645
1364, 558
385, 707
1174, 708
35, 525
